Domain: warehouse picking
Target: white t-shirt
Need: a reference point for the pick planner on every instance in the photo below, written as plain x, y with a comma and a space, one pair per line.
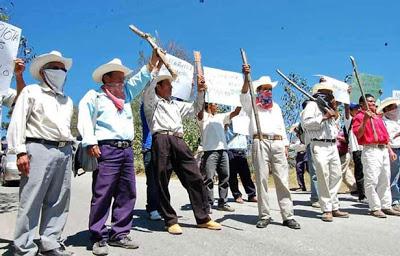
213, 132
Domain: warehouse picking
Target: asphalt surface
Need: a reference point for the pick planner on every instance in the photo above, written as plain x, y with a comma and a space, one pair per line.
361, 234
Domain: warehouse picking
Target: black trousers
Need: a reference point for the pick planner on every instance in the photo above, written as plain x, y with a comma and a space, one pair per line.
168, 150
358, 174
238, 165
153, 201
301, 168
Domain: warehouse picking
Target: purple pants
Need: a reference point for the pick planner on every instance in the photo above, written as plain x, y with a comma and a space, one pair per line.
114, 179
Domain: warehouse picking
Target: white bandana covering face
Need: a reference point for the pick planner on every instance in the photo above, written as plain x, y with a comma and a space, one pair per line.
55, 79
393, 114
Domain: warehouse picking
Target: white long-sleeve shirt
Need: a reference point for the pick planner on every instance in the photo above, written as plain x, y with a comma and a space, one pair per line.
271, 120
393, 128
314, 126
166, 115
39, 113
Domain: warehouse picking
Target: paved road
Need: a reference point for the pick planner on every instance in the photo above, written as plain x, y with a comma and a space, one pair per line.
359, 235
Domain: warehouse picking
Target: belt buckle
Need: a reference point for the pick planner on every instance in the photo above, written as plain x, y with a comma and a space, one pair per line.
119, 144
62, 144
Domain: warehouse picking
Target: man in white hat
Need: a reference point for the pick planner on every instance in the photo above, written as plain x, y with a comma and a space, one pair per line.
372, 134
321, 130
109, 139
164, 117
40, 135
270, 151
391, 117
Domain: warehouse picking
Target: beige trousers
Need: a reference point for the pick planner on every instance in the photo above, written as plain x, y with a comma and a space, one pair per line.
376, 168
347, 174
329, 174
269, 155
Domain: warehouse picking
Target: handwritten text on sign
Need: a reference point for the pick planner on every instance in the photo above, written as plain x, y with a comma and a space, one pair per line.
9, 42
223, 87
182, 86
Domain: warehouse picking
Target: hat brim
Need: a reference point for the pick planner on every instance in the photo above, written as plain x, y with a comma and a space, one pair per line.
109, 67
386, 103
42, 60
257, 84
318, 87
160, 78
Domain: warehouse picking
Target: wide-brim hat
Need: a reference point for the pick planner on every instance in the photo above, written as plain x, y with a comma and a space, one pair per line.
160, 78
262, 81
113, 65
322, 86
41, 60
386, 102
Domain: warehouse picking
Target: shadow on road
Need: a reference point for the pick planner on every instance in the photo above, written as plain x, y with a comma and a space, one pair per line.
8, 247
8, 202
80, 239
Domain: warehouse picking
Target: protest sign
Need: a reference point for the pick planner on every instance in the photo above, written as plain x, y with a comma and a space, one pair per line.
9, 42
223, 87
182, 85
396, 94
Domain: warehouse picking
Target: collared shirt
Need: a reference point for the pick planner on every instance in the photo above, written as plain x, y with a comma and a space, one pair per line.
314, 125
39, 113
6, 100
393, 128
111, 124
235, 140
368, 137
166, 115
213, 131
271, 120
353, 143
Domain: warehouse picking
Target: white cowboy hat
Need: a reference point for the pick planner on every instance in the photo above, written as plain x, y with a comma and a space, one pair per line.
322, 86
386, 102
113, 65
160, 78
41, 60
263, 80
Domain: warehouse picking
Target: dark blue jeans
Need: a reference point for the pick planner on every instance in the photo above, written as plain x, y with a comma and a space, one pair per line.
152, 190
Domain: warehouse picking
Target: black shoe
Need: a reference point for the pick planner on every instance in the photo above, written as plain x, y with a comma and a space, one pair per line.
263, 223
291, 224
57, 252
125, 242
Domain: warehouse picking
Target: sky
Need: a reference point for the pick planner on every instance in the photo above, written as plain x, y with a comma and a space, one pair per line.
303, 36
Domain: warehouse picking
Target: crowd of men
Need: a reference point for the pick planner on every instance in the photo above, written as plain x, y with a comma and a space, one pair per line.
39, 134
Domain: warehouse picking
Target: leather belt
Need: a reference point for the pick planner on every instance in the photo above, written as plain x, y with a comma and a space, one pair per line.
380, 146
268, 137
58, 144
176, 134
116, 143
325, 140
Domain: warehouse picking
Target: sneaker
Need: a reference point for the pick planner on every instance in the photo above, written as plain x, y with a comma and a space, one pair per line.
391, 212
225, 208
252, 199
57, 252
378, 214
174, 229
239, 200
293, 224
327, 217
210, 225
263, 223
396, 207
125, 242
315, 204
154, 215
340, 214
100, 248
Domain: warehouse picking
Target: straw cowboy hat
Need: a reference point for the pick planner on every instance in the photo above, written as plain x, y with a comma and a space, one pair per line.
386, 102
41, 60
322, 86
160, 78
262, 81
113, 65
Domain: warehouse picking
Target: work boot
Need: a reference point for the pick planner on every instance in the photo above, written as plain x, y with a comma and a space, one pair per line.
125, 242
378, 214
327, 217
340, 214
100, 248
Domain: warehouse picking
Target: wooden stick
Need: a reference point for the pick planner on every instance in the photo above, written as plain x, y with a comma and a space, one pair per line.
160, 52
253, 98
